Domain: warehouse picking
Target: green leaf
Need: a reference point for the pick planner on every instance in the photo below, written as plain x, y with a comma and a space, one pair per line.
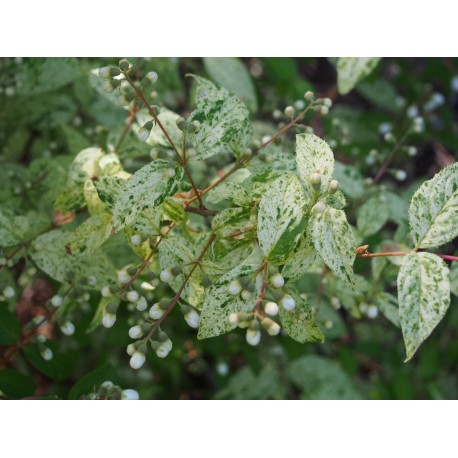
11, 228
299, 261
92, 381
84, 166
236, 223
321, 378
16, 385
454, 278
90, 236
148, 187
219, 303
231, 73
351, 70
10, 327
109, 190
224, 119
388, 305
423, 295
314, 155
350, 180
333, 240
299, 323
433, 212
174, 211
281, 218
372, 216
232, 191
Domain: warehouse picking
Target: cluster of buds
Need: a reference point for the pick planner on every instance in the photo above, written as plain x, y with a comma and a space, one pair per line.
169, 274
370, 310
253, 324
189, 127
109, 391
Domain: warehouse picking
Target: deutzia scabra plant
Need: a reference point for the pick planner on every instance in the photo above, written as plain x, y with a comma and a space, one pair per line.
224, 220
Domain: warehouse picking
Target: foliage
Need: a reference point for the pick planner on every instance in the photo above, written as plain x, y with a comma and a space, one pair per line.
125, 226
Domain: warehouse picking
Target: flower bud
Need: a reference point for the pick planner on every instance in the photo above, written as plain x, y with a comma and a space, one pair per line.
253, 334
132, 296
246, 294
123, 277
181, 123
130, 395
135, 332
372, 311
412, 151
150, 78
400, 175
327, 102
141, 304
108, 72
125, 65
309, 95
68, 328
324, 110
9, 292
56, 300
110, 85
289, 111
155, 312
167, 276
287, 302
47, 354
270, 326
192, 318
315, 180
271, 308
234, 287
333, 186
137, 360
193, 127
277, 280
136, 239
108, 319
144, 132
319, 207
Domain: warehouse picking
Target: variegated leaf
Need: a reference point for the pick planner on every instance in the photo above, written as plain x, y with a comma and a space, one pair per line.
351, 70
424, 297
314, 155
333, 240
281, 218
372, 216
433, 212
299, 261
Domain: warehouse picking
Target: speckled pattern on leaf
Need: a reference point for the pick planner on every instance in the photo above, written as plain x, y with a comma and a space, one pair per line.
281, 218
423, 295
314, 155
333, 239
299, 261
147, 187
351, 70
433, 212
372, 216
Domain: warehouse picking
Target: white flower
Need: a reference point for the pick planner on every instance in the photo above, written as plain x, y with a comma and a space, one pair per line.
137, 360
130, 395
135, 332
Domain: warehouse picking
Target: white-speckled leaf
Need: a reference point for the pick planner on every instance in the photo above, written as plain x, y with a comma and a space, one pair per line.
281, 218
333, 240
454, 278
433, 212
232, 191
148, 187
109, 190
84, 166
299, 323
231, 73
235, 223
90, 235
388, 305
351, 70
350, 180
168, 119
372, 216
219, 303
314, 155
12, 228
224, 119
300, 260
424, 297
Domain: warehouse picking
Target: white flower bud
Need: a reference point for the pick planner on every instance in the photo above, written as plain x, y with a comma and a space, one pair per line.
150, 78
253, 336
388, 137
9, 292
106, 291
68, 328
319, 207
123, 277
155, 312
289, 111
315, 180
167, 276
47, 354
277, 280
328, 324
385, 127
108, 384
163, 350
400, 175
170, 172
372, 311
135, 332
56, 300
131, 349
308, 95
327, 102
137, 360
412, 112
143, 133
234, 318
287, 302
192, 318
333, 186
222, 369
299, 105
412, 151
271, 326
136, 239
234, 287
130, 395
324, 110
132, 296
141, 304
108, 319
246, 295
271, 308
